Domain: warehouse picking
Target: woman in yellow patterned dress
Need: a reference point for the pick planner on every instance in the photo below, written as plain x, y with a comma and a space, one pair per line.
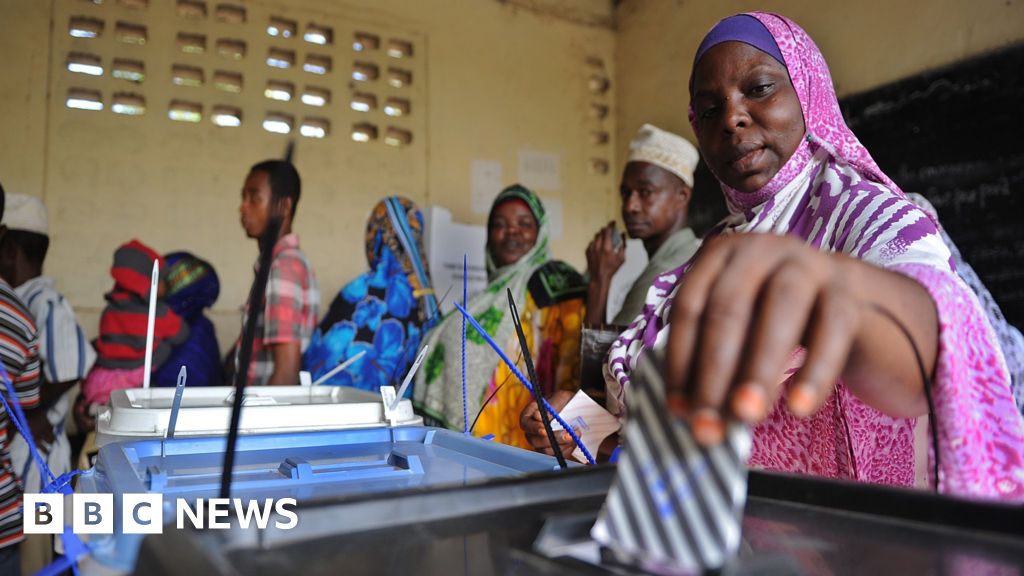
549, 295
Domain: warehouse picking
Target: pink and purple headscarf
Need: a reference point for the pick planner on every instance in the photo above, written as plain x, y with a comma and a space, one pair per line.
782, 39
831, 193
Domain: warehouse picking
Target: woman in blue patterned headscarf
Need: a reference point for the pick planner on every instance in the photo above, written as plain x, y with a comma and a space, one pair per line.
383, 312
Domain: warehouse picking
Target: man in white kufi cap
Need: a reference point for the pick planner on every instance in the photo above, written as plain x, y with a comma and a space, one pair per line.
65, 354
656, 187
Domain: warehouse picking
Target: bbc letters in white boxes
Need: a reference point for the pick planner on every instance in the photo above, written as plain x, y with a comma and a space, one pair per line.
144, 513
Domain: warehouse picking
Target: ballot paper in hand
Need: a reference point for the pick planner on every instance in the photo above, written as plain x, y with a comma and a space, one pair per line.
593, 423
674, 507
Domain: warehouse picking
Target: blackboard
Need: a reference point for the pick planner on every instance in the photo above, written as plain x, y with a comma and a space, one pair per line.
956, 136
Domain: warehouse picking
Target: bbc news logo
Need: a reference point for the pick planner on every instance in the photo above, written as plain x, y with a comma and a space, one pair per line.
144, 513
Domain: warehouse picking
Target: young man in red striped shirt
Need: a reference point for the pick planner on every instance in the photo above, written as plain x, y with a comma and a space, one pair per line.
292, 299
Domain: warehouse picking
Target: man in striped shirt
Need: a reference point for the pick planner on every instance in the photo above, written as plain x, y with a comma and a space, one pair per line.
20, 356
65, 353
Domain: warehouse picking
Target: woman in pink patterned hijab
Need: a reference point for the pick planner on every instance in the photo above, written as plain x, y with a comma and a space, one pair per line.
824, 310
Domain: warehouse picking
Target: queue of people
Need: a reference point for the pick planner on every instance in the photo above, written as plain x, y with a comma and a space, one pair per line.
825, 310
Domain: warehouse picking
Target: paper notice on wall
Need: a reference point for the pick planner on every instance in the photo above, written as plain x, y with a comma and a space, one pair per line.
446, 243
540, 171
485, 183
553, 208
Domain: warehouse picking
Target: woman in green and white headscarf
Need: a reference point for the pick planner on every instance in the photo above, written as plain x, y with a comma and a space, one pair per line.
549, 295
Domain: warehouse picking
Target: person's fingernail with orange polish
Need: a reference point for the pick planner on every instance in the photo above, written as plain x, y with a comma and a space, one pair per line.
802, 400
707, 427
749, 402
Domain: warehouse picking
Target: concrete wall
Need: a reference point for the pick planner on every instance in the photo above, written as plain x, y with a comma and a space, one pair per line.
491, 79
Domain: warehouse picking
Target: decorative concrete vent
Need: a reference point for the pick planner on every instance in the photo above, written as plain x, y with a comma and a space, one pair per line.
129, 33
363, 102
128, 103
281, 27
184, 111
231, 48
598, 166
363, 41
130, 70
364, 132
226, 116
598, 84
365, 71
317, 64
83, 99
399, 49
191, 43
279, 90
291, 92
399, 78
315, 34
191, 76
227, 81
278, 123
83, 27
280, 58
192, 9
82, 63
230, 13
316, 96
397, 137
315, 128
396, 107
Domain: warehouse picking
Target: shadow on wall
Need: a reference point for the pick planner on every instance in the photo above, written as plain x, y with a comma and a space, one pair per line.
707, 206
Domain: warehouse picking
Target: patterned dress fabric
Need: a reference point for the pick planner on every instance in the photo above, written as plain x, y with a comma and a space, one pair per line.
383, 312
1010, 338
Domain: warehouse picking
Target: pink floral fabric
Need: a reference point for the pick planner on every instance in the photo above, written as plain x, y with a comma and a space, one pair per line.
833, 195
979, 428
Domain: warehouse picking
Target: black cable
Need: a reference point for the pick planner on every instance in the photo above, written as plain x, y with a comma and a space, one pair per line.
537, 396
491, 396
933, 423
244, 352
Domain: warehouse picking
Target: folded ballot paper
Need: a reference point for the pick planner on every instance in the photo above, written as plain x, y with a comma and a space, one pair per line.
674, 508
592, 422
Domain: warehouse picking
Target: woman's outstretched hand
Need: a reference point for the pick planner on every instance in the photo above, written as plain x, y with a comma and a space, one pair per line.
750, 300
533, 427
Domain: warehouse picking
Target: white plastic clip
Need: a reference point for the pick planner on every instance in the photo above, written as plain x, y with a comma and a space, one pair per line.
388, 396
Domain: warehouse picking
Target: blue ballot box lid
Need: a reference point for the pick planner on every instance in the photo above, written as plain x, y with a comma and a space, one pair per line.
303, 466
